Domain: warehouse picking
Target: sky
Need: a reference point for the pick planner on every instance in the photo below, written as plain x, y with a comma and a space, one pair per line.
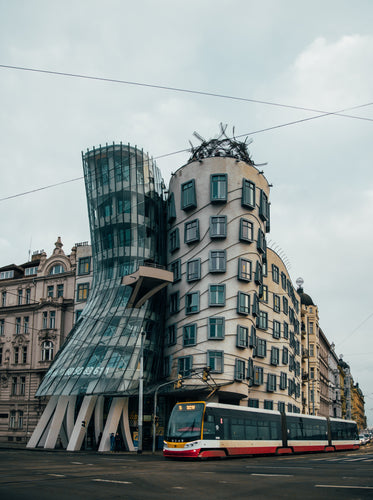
316, 55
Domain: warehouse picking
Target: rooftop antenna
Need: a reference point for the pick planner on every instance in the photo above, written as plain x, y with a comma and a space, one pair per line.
29, 250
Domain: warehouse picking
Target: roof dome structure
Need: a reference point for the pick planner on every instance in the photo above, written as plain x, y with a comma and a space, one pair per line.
304, 298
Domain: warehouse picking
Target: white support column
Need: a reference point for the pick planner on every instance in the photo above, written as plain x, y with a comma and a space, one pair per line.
99, 416
126, 427
70, 415
56, 424
43, 423
112, 421
79, 430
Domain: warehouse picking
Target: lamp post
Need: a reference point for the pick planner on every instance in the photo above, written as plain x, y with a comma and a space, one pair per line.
141, 394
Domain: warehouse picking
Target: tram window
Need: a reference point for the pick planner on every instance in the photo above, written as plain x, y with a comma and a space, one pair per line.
209, 427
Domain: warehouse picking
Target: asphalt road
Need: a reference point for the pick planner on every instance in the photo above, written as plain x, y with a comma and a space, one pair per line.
59, 475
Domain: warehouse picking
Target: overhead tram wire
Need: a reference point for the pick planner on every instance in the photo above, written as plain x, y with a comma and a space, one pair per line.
182, 90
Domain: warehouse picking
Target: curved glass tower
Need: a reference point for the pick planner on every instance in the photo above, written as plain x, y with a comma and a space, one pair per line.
125, 203
117, 340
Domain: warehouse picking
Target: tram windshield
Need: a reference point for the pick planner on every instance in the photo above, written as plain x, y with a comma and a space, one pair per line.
186, 422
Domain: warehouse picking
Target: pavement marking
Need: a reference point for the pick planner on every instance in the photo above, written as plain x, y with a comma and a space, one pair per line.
77, 463
57, 475
111, 481
345, 487
353, 459
277, 467
273, 475
178, 488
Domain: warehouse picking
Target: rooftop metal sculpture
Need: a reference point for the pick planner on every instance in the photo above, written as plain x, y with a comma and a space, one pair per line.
221, 146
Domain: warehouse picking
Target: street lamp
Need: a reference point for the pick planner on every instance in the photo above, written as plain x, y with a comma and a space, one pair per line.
141, 394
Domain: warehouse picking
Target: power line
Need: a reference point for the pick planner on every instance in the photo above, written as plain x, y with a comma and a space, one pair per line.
177, 89
187, 149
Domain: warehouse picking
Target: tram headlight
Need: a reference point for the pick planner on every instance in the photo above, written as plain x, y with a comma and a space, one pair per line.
190, 445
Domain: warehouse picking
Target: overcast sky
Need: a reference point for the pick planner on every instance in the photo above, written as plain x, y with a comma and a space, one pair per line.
316, 55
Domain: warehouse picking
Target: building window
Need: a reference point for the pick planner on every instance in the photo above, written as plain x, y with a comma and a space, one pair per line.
276, 329
285, 305
16, 355
281, 406
243, 303
60, 290
283, 280
1, 355
244, 269
167, 366
216, 328
276, 303
271, 382
215, 361
191, 231
246, 230
22, 386
258, 276
20, 297
311, 328
248, 194
312, 350
175, 268
216, 295
29, 271
185, 365
261, 348
82, 292
125, 237
285, 355
28, 295
20, 418
189, 335
258, 375
57, 269
174, 303
263, 206
275, 274
171, 210
3, 299
78, 313
264, 293
242, 336
261, 244
14, 386
268, 405
253, 403
5, 275
217, 261
45, 319
50, 291
275, 356
188, 195
312, 372
84, 266
2, 327
252, 341
47, 350
174, 240
192, 303
18, 326
286, 330
218, 226
218, 188
283, 380
52, 319
24, 354
262, 320
239, 370
193, 270
171, 335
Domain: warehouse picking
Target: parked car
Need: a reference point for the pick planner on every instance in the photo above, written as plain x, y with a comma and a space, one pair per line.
362, 439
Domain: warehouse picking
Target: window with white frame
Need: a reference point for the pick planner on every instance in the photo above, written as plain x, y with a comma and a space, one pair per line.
47, 350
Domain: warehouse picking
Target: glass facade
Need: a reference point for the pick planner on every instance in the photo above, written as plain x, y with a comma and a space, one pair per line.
126, 213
